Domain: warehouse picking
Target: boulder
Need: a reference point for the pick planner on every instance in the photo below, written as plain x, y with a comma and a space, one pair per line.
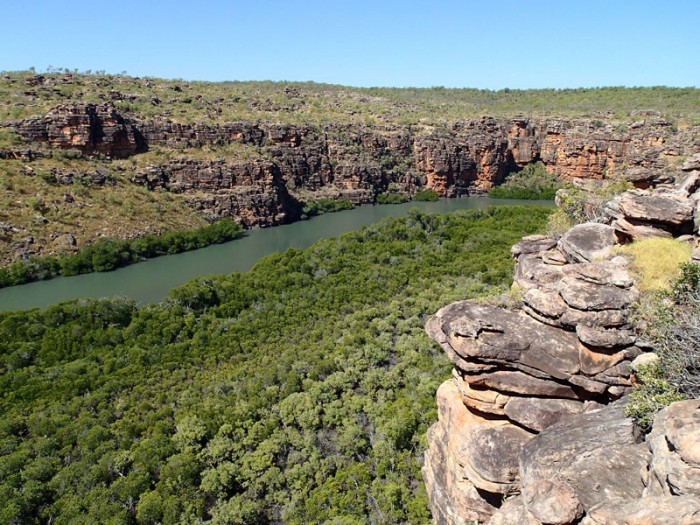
539, 413
584, 295
675, 444
638, 230
515, 382
513, 512
532, 272
491, 462
693, 163
554, 503
668, 208
586, 242
604, 337
475, 331
580, 463
690, 183
609, 273
593, 362
482, 400
454, 498
662, 510
533, 244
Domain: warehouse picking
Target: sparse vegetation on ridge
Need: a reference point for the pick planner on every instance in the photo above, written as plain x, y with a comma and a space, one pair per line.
309, 102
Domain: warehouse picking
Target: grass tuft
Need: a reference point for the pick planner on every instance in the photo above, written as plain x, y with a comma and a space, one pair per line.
656, 261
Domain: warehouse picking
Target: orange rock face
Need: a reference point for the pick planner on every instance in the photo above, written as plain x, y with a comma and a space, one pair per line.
359, 162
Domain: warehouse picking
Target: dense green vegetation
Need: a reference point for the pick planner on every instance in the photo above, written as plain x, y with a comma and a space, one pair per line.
531, 182
391, 198
310, 102
426, 195
325, 205
669, 319
299, 392
108, 253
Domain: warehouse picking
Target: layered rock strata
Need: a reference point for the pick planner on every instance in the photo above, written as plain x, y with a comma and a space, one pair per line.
663, 212
518, 372
531, 429
465, 157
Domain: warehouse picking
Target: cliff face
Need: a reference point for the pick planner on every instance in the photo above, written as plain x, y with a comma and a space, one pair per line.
339, 160
530, 428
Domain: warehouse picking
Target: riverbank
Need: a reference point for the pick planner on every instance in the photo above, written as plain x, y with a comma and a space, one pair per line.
151, 280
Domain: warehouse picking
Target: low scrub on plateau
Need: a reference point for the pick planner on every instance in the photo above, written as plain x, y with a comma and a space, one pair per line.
299, 392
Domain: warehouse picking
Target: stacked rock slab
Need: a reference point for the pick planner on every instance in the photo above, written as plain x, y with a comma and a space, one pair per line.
517, 372
662, 212
531, 428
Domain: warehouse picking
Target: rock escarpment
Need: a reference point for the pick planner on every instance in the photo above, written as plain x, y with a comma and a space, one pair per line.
531, 429
89, 128
359, 162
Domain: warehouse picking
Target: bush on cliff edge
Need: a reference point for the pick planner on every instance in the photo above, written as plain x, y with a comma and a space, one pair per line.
671, 321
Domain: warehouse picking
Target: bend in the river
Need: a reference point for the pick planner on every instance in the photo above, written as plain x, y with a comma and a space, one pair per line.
151, 280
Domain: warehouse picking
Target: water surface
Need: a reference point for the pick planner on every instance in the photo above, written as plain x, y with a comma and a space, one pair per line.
150, 281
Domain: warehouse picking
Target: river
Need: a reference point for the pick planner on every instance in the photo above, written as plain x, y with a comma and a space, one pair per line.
151, 280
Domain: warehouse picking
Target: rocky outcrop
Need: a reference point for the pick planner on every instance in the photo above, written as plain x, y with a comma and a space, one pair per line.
664, 212
518, 372
252, 192
531, 428
89, 128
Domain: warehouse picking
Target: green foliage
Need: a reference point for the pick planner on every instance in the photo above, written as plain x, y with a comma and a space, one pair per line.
107, 254
391, 198
670, 321
532, 182
299, 392
579, 205
653, 393
326, 205
687, 285
426, 195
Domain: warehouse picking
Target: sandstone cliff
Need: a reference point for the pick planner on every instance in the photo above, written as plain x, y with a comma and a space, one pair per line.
466, 157
531, 429
262, 173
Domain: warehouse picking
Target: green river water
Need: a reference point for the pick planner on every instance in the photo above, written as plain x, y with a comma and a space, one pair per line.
151, 280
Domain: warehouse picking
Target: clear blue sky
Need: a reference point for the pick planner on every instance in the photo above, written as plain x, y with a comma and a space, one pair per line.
483, 44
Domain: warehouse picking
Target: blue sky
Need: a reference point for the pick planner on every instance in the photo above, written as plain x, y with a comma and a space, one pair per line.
482, 44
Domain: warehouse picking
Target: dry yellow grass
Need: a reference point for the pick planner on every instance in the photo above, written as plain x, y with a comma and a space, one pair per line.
656, 261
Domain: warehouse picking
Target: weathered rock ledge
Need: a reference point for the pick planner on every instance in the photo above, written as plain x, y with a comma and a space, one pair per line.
531, 428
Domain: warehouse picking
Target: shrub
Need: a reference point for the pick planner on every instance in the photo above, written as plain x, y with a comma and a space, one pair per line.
671, 321
532, 182
426, 195
578, 205
653, 393
326, 205
391, 198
